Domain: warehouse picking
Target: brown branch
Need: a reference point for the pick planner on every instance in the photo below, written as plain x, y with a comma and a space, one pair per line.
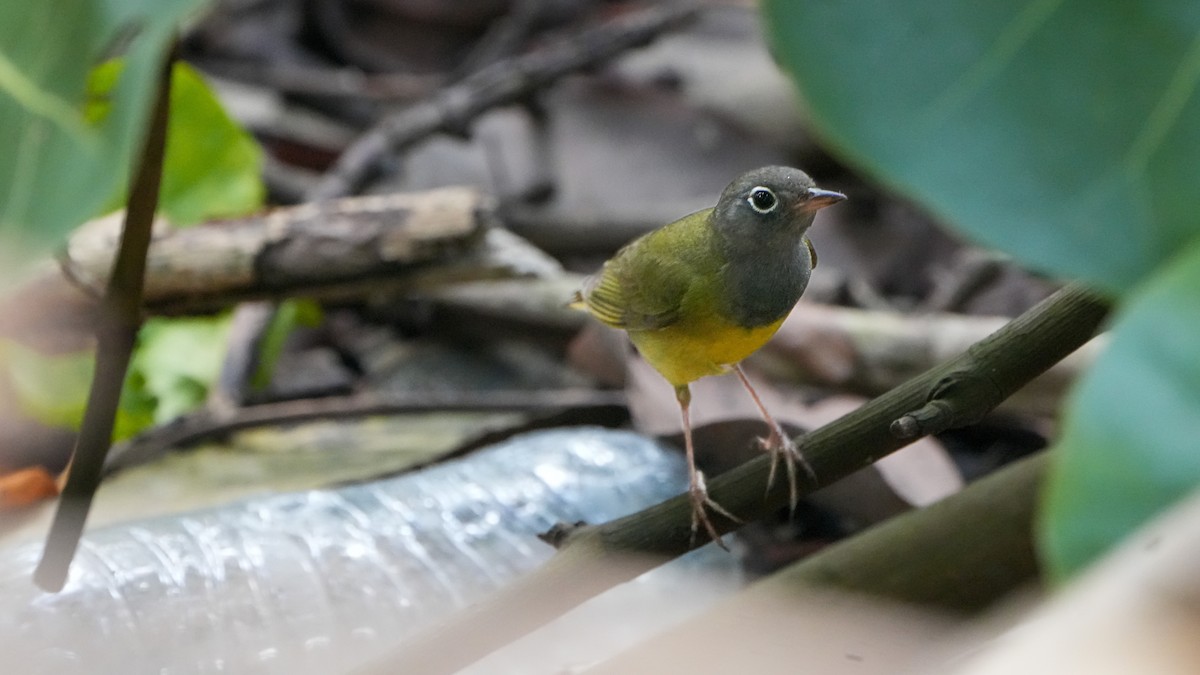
588, 563
506, 33
453, 108
119, 320
213, 422
869, 352
315, 249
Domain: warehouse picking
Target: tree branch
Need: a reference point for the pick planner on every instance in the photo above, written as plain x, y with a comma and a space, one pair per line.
453, 108
869, 352
588, 562
212, 422
116, 332
291, 250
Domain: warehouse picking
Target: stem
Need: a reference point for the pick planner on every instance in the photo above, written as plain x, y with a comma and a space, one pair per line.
594, 559
116, 333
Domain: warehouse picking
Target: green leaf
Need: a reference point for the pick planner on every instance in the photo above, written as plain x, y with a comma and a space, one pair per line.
59, 164
1130, 445
1066, 132
291, 314
177, 361
213, 167
53, 389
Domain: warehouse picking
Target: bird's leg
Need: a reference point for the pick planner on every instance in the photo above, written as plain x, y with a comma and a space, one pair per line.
779, 446
697, 492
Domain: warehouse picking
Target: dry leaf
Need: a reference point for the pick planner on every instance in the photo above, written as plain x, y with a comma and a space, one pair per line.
26, 486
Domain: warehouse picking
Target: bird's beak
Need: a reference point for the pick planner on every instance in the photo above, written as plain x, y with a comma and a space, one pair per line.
819, 199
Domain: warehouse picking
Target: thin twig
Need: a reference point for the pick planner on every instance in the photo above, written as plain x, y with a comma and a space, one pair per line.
247, 332
212, 422
596, 558
505, 34
119, 319
453, 108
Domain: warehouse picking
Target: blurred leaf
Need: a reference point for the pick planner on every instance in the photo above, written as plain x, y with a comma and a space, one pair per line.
212, 168
177, 361
1130, 446
136, 412
1064, 132
26, 486
61, 159
53, 389
291, 314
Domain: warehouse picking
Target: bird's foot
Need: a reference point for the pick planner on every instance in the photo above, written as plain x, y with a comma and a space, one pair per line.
698, 494
780, 447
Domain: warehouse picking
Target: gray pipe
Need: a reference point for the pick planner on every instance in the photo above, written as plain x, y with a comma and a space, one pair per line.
318, 581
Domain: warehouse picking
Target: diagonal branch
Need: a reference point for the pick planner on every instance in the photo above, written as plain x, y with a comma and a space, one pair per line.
118, 322
452, 108
593, 559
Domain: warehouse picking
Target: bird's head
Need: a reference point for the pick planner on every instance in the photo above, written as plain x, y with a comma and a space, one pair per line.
770, 202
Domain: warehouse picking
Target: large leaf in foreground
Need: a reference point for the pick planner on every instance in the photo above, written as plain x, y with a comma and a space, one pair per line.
1066, 132
1131, 442
60, 162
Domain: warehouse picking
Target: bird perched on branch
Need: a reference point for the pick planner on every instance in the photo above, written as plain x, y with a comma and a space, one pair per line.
704, 292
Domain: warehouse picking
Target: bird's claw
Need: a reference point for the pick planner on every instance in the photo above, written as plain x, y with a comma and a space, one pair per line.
698, 494
779, 446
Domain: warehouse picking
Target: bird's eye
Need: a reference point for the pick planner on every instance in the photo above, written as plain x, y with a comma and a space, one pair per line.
762, 200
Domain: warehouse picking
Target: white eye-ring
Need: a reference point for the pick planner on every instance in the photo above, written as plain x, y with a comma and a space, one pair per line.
761, 199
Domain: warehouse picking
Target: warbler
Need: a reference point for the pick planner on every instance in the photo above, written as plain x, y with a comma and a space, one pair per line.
704, 292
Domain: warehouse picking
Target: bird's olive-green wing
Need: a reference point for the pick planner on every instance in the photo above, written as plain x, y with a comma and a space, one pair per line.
643, 286
812, 252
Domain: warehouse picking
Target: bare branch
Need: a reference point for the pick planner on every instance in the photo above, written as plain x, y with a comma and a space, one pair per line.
451, 109
212, 422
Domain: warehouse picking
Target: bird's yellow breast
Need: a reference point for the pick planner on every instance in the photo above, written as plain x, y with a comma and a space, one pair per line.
690, 350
